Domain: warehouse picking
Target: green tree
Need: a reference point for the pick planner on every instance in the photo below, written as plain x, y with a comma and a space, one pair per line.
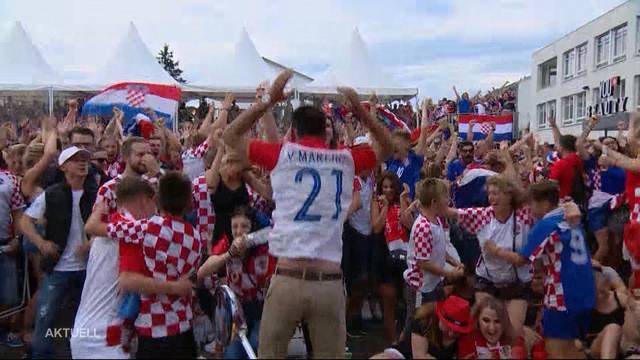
165, 58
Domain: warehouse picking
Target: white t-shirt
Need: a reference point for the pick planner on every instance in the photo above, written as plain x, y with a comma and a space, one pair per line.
312, 189
98, 305
483, 223
69, 261
480, 109
360, 220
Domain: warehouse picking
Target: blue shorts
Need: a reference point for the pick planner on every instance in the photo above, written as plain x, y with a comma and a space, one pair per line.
597, 218
566, 325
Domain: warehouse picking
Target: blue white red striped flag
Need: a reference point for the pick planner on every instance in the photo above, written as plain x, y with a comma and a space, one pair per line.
132, 98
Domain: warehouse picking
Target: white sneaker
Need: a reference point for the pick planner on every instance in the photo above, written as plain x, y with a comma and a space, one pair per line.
365, 311
377, 310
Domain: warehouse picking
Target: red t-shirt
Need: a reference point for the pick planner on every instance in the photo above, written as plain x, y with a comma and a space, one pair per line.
266, 154
131, 255
393, 228
564, 171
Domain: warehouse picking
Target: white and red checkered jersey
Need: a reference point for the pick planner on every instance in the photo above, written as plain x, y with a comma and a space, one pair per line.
258, 202
205, 215
107, 193
172, 249
10, 200
115, 168
248, 277
508, 235
197, 152
428, 241
549, 251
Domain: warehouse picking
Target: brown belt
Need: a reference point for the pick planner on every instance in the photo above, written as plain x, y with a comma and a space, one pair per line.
308, 274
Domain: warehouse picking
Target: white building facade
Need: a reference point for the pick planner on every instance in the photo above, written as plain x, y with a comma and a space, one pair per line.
594, 69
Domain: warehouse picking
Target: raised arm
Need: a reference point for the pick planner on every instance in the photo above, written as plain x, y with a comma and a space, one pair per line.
378, 132
29, 183
614, 158
268, 121
212, 175
580, 141
555, 130
234, 135
223, 116
456, 92
470, 130
205, 126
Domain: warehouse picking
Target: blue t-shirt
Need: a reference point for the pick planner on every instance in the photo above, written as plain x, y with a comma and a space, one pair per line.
569, 283
455, 169
611, 180
408, 171
464, 106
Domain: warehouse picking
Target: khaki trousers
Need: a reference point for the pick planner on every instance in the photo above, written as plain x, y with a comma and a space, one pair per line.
321, 304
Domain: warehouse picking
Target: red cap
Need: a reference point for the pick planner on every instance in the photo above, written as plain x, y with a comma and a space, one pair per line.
455, 312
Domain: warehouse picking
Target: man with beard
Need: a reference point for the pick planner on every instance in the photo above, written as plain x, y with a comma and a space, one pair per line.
138, 160
66, 206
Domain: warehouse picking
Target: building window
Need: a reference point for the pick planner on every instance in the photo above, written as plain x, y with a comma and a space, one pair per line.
568, 59
602, 49
638, 34
568, 113
581, 105
541, 113
611, 46
637, 90
619, 41
581, 65
636, 81
547, 73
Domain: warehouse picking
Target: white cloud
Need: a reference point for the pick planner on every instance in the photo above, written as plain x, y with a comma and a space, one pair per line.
78, 35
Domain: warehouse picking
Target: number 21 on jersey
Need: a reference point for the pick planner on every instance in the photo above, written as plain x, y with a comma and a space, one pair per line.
303, 213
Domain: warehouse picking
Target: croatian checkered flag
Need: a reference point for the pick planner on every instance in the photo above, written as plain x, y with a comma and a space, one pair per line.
133, 98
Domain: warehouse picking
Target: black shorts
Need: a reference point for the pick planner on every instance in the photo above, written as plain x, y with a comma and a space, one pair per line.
356, 256
384, 268
513, 291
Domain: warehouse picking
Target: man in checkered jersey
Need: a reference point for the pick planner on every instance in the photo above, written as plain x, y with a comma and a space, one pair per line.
171, 249
569, 284
138, 160
312, 189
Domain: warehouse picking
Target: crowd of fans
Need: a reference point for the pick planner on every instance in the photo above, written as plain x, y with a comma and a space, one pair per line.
462, 249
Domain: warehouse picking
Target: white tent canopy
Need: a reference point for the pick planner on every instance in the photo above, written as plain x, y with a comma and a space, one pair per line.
131, 61
240, 73
359, 70
22, 66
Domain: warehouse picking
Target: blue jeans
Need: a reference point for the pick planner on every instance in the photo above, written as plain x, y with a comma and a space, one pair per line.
55, 286
252, 314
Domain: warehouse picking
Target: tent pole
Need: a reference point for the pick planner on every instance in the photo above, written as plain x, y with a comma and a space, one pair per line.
50, 98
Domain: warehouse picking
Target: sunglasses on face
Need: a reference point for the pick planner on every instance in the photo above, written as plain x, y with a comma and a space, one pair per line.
100, 160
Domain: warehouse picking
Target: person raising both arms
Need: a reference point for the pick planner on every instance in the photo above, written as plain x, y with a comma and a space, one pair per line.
312, 187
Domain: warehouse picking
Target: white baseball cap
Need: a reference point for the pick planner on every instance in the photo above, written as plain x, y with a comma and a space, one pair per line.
69, 152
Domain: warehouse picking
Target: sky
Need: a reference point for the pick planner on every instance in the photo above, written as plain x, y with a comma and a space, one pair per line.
428, 44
